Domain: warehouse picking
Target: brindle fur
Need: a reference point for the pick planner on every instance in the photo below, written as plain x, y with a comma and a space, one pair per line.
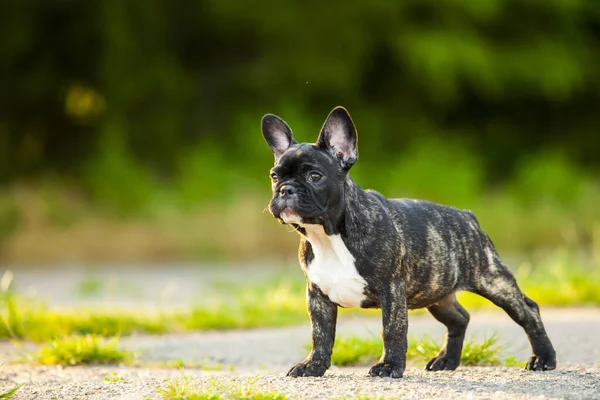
411, 253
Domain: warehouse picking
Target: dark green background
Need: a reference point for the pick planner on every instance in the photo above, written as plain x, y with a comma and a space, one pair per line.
504, 77
130, 107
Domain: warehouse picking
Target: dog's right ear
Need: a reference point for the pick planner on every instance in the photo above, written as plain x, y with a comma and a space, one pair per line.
277, 134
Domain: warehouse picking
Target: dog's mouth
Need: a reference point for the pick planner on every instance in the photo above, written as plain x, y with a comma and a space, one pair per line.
290, 216
295, 211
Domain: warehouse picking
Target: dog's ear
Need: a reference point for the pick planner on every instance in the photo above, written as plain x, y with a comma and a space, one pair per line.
338, 136
277, 134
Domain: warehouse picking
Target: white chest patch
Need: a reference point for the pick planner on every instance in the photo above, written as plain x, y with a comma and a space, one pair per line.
333, 269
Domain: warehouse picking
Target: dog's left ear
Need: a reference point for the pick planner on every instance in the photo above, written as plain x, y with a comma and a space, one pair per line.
278, 134
338, 136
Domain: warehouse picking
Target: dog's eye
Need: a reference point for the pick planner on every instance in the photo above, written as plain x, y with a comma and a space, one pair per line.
273, 176
315, 176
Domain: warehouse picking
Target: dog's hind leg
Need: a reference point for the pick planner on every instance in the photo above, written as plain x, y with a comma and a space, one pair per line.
450, 313
497, 284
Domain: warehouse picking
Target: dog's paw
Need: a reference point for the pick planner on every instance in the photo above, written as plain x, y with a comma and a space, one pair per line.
307, 368
389, 369
541, 363
443, 363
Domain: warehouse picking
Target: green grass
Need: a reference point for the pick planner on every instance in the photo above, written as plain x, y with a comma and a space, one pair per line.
80, 350
554, 279
204, 365
269, 304
9, 394
114, 377
353, 350
25, 318
474, 352
186, 389
278, 304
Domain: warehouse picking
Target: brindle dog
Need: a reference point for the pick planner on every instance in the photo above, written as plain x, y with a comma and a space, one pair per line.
361, 249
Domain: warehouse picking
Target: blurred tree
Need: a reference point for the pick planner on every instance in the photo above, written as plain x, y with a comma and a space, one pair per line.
502, 77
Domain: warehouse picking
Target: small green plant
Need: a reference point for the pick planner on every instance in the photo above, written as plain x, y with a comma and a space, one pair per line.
512, 362
204, 365
113, 377
353, 350
211, 367
185, 389
481, 353
77, 350
9, 394
474, 352
423, 349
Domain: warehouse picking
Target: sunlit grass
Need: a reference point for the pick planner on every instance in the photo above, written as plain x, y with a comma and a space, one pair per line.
187, 389
24, 318
113, 377
557, 279
279, 304
354, 350
204, 365
10, 393
276, 303
78, 350
474, 352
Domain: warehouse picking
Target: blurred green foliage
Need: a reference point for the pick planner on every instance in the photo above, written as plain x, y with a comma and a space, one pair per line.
491, 105
503, 78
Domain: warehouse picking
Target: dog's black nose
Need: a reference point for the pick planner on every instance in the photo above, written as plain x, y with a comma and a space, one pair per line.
287, 190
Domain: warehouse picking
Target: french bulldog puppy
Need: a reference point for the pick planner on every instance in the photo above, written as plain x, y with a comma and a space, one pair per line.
361, 249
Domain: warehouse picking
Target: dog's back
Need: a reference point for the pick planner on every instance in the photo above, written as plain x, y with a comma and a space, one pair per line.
442, 248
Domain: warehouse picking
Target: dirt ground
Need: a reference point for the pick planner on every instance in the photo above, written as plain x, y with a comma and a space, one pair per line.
267, 354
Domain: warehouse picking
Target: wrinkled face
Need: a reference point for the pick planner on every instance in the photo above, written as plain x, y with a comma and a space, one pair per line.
308, 179
306, 182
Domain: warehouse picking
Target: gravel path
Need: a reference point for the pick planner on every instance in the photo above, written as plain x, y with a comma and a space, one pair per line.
268, 353
473, 382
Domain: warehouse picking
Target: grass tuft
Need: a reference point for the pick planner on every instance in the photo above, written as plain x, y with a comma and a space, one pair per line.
278, 303
481, 353
204, 365
114, 377
186, 389
353, 350
78, 350
9, 394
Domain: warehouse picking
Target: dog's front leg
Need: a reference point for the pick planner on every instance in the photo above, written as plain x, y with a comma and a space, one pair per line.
395, 329
323, 316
